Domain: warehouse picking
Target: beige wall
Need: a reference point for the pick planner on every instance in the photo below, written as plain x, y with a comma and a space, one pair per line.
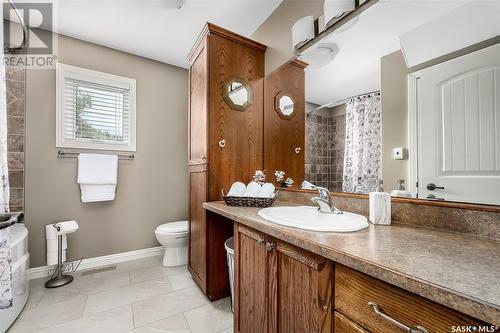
152, 189
394, 118
276, 31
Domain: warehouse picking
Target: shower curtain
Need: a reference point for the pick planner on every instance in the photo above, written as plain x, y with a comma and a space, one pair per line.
362, 154
5, 269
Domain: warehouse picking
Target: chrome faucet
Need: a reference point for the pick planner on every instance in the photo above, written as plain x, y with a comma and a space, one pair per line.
325, 201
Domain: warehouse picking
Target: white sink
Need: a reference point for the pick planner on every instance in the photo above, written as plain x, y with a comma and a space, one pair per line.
310, 218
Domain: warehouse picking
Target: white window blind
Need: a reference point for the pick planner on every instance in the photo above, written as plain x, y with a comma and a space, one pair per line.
96, 110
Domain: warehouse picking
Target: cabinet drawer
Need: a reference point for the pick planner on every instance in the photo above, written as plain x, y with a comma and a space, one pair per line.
342, 324
354, 290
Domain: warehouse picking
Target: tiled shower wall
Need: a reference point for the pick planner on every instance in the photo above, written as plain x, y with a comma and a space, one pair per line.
15, 85
324, 160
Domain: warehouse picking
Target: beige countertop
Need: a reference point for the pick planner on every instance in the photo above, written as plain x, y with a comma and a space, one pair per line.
456, 270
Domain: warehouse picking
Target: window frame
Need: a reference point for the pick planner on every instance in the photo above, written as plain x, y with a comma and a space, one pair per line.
64, 71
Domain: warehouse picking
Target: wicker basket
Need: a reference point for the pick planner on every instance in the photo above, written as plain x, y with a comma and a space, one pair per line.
249, 201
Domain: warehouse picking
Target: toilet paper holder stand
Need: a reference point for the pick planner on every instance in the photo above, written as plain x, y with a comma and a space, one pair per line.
58, 278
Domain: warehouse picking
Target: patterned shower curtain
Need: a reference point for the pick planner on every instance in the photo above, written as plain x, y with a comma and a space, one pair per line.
362, 155
5, 269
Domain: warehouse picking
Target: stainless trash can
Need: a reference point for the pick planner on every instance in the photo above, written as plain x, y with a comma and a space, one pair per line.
229, 245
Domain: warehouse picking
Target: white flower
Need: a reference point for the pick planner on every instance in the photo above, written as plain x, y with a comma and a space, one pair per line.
259, 177
280, 175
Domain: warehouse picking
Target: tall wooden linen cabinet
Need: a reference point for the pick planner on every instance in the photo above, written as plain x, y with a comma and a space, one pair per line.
284, 139
225, 145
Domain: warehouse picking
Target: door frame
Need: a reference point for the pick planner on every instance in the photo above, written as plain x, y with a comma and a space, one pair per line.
413, 137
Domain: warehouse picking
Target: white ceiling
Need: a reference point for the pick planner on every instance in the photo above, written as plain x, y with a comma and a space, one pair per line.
156, 29
356, 68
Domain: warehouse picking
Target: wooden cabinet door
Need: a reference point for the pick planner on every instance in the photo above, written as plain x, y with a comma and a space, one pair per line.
241, 152
284, 139
251, 281
300, 290
198, 107
197, 223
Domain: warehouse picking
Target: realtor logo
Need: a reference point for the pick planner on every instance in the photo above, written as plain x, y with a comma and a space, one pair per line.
28, 42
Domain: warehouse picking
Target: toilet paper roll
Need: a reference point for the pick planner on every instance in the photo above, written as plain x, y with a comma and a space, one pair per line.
52, 257
50, 231
66, 227
52, 250
52, 244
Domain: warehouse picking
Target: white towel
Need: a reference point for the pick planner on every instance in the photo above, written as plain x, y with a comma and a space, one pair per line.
252, 189
97, 176
237, 190
266, 191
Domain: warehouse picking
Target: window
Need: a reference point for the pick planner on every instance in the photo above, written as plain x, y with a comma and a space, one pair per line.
95, 110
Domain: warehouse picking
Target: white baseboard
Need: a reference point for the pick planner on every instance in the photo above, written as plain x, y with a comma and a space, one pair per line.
97, 262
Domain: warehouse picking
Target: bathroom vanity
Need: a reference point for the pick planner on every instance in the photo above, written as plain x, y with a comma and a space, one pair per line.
380, 279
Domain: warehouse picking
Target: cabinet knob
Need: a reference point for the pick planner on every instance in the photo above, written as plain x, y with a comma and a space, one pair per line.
222, 143
297, 150
269, 246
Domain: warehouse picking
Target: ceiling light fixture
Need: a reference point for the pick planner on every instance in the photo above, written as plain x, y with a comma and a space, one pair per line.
320, 55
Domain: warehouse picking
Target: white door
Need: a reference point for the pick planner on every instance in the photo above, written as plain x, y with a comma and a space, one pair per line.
459, 128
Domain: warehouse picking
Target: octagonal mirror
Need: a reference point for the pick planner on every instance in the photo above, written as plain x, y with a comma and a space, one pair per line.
284, 105
237, 94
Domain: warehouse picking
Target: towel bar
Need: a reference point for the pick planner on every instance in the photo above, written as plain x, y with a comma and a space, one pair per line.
63, 154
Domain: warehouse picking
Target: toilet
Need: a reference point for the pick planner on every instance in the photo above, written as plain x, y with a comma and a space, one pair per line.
174, 236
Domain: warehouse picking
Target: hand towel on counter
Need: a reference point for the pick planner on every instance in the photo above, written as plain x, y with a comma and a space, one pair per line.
97, 176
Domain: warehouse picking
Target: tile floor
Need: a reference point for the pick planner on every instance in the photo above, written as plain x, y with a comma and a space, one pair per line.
138, 296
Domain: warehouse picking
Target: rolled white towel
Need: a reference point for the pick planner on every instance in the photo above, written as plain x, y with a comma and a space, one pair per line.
237, 190
252, 189
266, 191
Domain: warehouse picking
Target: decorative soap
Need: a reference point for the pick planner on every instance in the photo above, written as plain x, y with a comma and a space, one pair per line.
380, 208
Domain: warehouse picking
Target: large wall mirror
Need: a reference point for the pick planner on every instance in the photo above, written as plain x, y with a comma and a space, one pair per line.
408, 103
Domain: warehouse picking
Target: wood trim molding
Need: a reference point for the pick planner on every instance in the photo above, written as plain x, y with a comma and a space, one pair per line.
414, 201
251, 233
307, 258
211, 28
448, 204
299, 63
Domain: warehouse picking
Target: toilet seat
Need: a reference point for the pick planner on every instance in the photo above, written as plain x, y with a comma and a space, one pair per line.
173, 228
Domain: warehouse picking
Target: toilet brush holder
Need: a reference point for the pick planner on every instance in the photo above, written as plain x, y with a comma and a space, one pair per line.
58, 278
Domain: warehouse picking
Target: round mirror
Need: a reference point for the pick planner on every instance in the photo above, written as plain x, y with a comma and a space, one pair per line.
237, 94
284, 105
